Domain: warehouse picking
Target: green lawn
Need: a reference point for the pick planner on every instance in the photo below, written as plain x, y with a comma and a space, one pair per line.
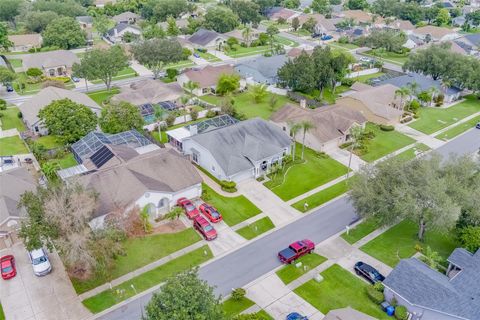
360, 231
10, 119
245, 104
365, 78
102, 95
280, 26
126, 73
322, 197
290, 272
140, 252
459, 129
16, 63
302, 177
30, 88
263, 315
410, 153
233, 308
208, 56
180, 65
246, 51
10, 146
233, 209
339, 289
67, 161
433, 119
348, 46
2, 315
301, 33
147, 280
399, 243
392, 57
286, 41
256, 228
384, 142
49, 142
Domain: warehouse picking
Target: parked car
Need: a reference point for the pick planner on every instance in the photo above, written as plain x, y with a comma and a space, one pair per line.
210, 212
296, 316
190, 210
9, 88
205, 228
368, 272
477, 125
326, 37
7, 264
196, 55
75, 79
40, 263
296, 250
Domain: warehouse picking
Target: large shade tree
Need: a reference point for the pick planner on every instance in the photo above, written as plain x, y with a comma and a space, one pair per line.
64, 33
155, 54
119, 117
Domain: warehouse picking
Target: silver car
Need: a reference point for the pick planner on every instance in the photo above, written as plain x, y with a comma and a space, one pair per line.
40, 263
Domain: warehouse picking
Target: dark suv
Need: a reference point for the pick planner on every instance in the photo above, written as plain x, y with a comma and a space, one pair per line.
368, 272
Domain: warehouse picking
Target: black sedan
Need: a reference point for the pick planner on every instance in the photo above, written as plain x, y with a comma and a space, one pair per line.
368, 272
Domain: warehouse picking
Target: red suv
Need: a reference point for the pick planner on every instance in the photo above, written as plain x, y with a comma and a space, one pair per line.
210, 212
205, 228
190, 210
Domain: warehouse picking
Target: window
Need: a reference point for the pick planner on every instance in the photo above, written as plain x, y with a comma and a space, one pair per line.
51, 72
213, 168
204, 90
195, 157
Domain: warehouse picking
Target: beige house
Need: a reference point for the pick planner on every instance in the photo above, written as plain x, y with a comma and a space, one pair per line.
323, 25
362, 17
332, 124
25, 42
149, 91
436, 34
376, 104
206, 78
53, 63
126, 17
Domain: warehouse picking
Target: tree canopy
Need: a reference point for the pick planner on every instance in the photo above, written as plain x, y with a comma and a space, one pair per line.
64, 33
159, 10
157, 53
6, 76
119, 117
68, 120
4, 42
388, 39
221, 19
247, 11
228, 83
37, 21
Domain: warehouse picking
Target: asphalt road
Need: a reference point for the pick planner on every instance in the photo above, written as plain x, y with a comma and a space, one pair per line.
259, 257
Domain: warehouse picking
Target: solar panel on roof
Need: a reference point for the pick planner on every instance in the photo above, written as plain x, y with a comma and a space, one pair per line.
146, 109
101, 157
168, 105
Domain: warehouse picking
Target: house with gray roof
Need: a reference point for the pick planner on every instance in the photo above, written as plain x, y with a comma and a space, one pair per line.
243, 150
262, 70
116, 34
53, 63
432, 295
206, 39
126, 17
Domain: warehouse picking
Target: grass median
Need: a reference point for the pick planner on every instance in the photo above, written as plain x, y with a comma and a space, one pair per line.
458, 130
323, 196
234, 307
360, 231
256, 228
147, 280
290, 272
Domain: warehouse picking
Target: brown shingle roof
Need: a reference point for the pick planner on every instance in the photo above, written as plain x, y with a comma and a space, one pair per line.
149, 91
209, 75
361, 16
33, 39
434, 31
328, 24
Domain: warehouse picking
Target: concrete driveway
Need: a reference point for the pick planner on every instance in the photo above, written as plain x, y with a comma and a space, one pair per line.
227, 239
28, 297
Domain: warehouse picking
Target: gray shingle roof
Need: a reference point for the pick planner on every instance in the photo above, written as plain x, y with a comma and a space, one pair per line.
424, 82
237, 146
262, 69
50, 59
120, 27
428, 288
13, 183
203, 37
473, 38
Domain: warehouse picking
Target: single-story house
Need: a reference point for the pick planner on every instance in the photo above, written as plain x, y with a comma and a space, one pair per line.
116, 34
362, 17
261, 69
206, 39
436, 34
126, 17
425, 83
149, 91
347, 314
377, 104
413, 42
323, 25
32, 107
243, 150
238, 34
53, 63
86, 22
154, 180
332, 124
431, 295
25, 42
402, 25
206, 78
275, 13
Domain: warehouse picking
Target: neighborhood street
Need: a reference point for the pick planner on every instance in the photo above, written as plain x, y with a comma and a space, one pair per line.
252, 261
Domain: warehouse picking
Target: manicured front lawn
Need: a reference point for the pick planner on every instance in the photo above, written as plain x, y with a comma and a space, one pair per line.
384, 142
2, 315
399, 243
30, 88
367, 77
459, 129
286, 41
246, 51
233, 209
348, 46
140, 252
245, 104
16, 63
412, 152
322, 197
147, 280
126, 73
433, 119
393, 57
49, 142
339, 289
290, 272
10, 146
360, 231
301, 33
208, 56
257, 228
102, 95
234, 307
180, 65
302, 177
10, 119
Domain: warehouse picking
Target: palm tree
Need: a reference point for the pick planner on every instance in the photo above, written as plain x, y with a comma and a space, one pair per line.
446, 83
402, 93
159, 114
190, 86
413, 86
433, 91
355, 134
184, 100
247, 34
50, 170
294, 128
306, 126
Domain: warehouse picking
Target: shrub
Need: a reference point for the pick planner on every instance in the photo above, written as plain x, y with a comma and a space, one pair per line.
186, 53
59, 79
172, 73
202, 50
414, 105
385, 127
228, 186
379, 286
347, 82
238, 294
3, 104
374, 295
211, 113
34, 72
343, 39
170, 119
401, 313
394, 302
20, 115
194, 114
416, 116
346, 145
439, 100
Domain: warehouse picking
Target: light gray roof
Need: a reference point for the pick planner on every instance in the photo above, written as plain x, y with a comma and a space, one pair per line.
236, 147
203, 37
422, 286
13, 183
424, 82
121, 27
48, 59
262, 69
149, 91
125, 16
32, 107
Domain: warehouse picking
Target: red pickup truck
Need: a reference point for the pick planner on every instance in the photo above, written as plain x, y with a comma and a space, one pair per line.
296, 250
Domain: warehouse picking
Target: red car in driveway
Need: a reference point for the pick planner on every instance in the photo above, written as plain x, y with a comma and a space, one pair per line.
210, 212
205, 228
7, 264
190, 210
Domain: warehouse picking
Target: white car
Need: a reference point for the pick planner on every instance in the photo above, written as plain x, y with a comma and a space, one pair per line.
40, 263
